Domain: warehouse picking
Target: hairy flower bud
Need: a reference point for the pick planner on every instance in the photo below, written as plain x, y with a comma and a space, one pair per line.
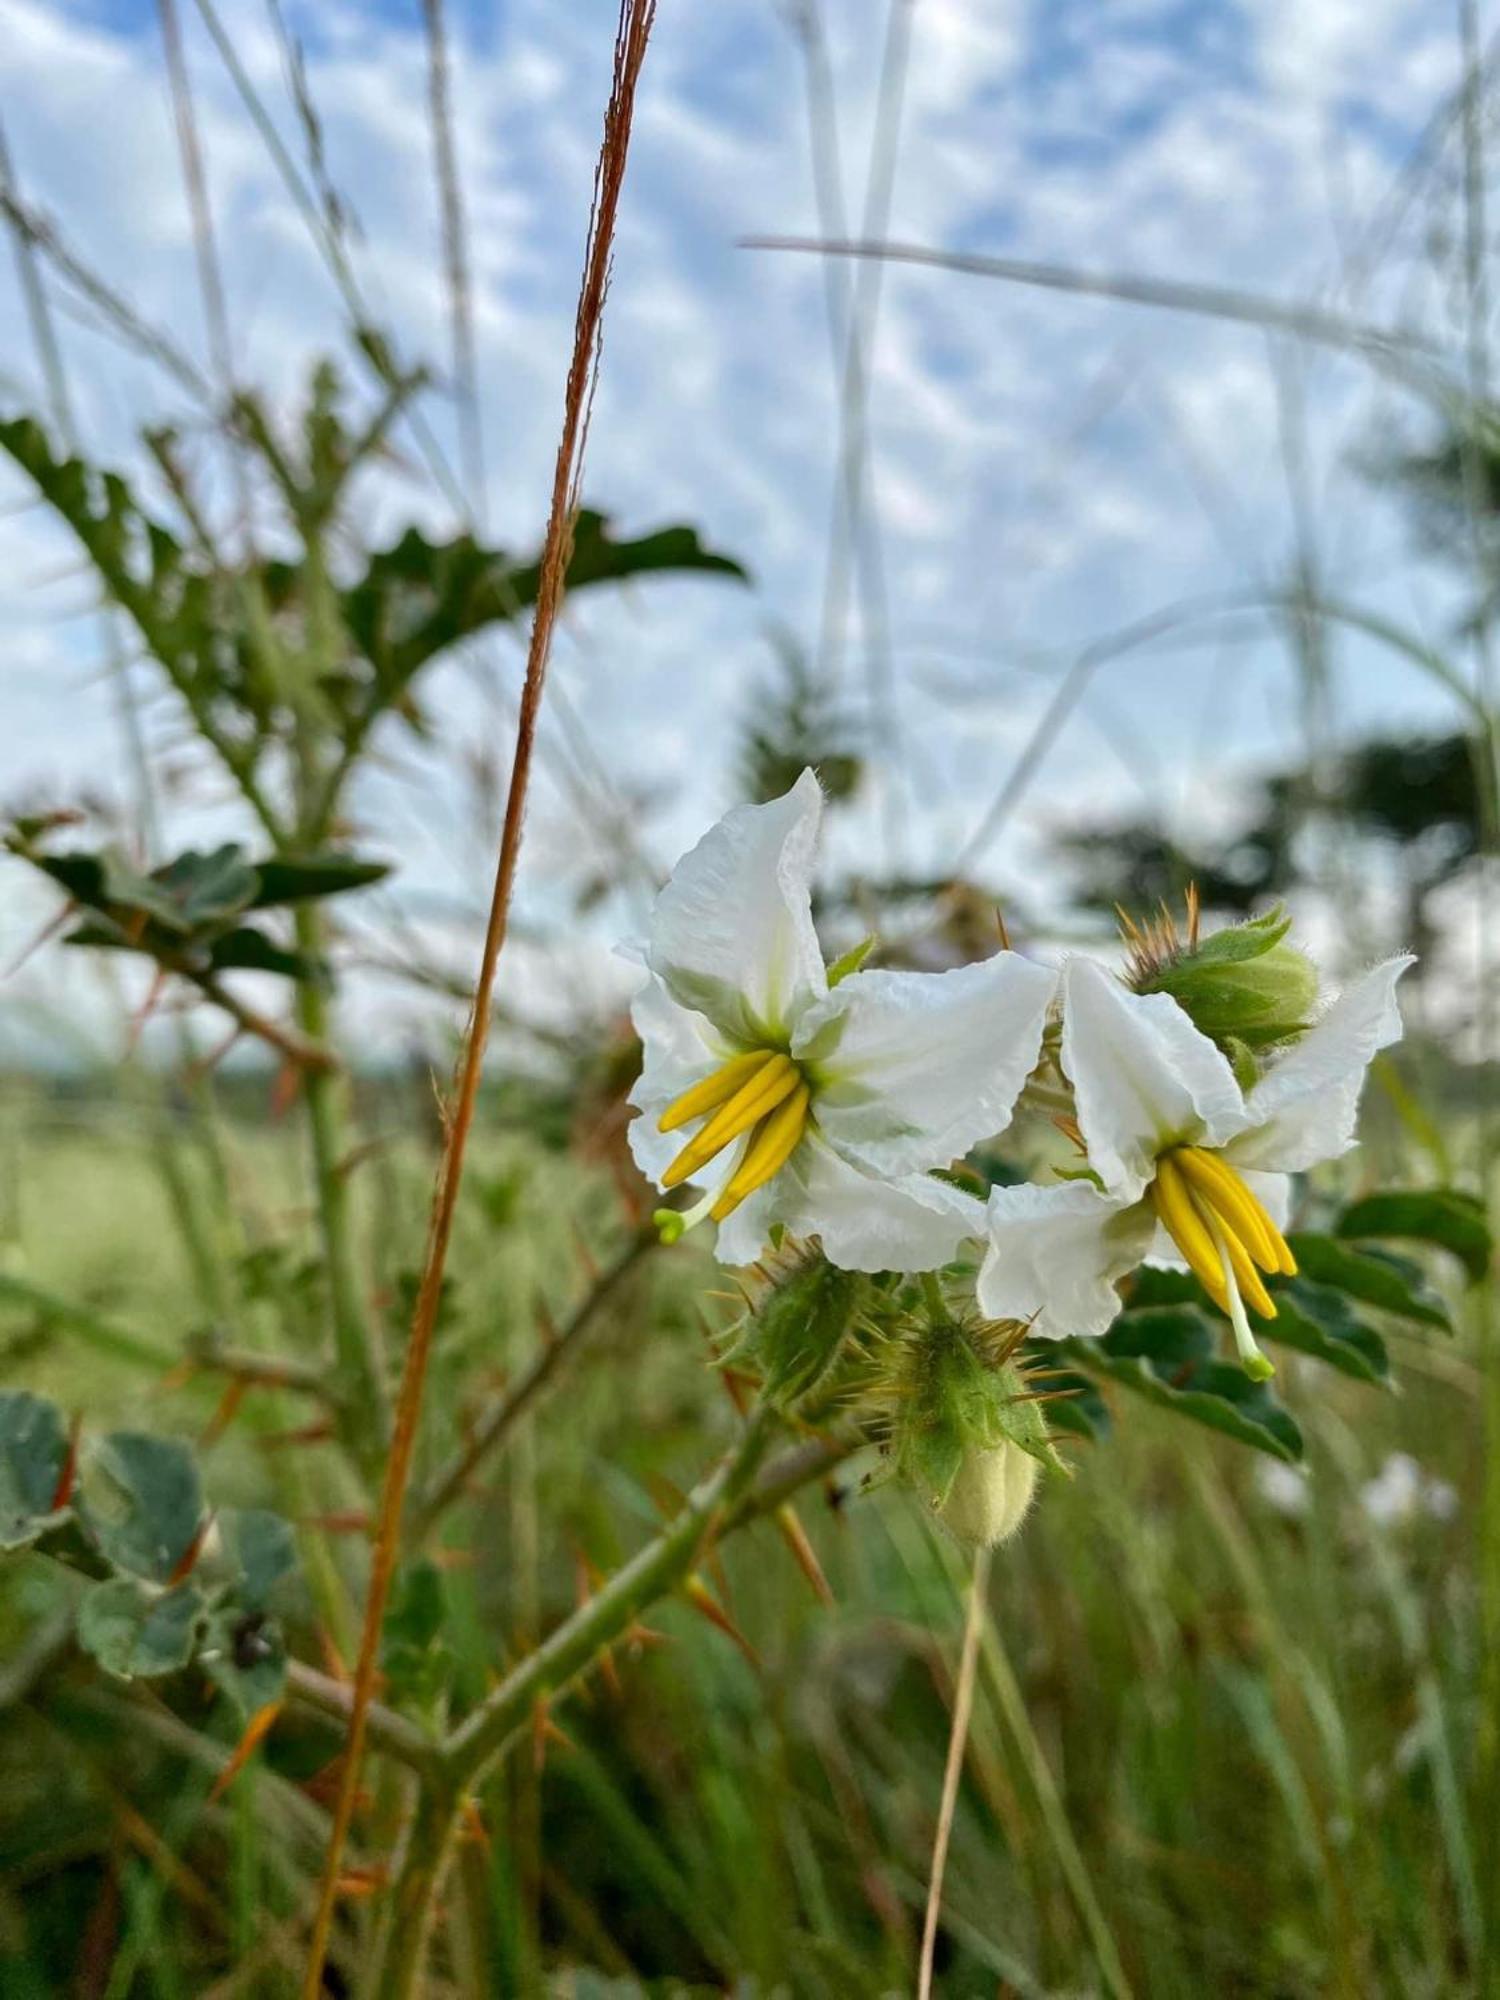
1245, 987
989, 1498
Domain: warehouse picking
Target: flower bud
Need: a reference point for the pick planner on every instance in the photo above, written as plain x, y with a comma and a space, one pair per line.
1245, 987
989, 1498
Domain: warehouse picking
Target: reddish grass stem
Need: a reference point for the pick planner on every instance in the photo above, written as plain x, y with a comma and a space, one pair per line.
631, 37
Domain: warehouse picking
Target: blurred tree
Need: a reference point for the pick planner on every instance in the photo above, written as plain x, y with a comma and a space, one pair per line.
795, 720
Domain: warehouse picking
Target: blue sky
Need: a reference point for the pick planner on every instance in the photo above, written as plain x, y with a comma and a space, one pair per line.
1043, 469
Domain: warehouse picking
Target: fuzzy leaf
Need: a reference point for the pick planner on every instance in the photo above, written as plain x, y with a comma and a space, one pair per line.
33, 1461
133, 1630
143, 1502
1445, 1216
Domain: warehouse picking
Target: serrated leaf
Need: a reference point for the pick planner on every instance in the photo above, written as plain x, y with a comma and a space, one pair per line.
299, 878
33, 1460
1375, 1277
1168, 1354
1320, 1322
135, 1631
143, 1502
1445, 1216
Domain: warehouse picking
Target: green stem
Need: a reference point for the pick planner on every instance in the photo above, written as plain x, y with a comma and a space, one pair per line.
558, 1661
361, 1378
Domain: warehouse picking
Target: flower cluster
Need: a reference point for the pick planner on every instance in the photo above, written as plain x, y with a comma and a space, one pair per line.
827, 1101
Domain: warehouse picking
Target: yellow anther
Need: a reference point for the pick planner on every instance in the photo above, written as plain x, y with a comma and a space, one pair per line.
1216, 1182
770, 1149
711, 1092
1174, 1204
777, 1078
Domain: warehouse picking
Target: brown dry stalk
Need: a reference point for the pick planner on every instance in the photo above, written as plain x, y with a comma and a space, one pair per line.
632, 34
958, 1736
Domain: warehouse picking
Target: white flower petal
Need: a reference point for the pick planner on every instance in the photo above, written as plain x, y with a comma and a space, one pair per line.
911, 1223
678, 1049
743, 1236
1056, 1253
732, 932
1305, 1107
1143, 1077
910, 1068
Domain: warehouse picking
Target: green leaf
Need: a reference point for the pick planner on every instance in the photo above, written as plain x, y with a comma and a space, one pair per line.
247, 949
244, 1652
1445, 1216
1319, 1321
298, 878
133, 1630
204, 890
1168, 1354
143, 1502
418, 598
794, 1335
261, 1550
33, 1468
1375, 1277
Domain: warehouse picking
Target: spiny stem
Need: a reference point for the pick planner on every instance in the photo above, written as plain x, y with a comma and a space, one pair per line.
717, 1503
632, 35
958, 1736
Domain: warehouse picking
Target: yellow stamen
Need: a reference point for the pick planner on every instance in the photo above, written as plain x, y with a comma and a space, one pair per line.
711, 1093
771, 1148
1216, 1182
777, 1079
1188, 1230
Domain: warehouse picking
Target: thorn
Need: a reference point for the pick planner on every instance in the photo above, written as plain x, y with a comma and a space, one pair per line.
144, 1012
350, 1521
179, 1376
803, 1553
313, 1433
224, 1415
63, 1490
258, 1727
357, 1885
475, 1833
286, 1085
189, 1557
1194, 914
1005, 944
702, 1600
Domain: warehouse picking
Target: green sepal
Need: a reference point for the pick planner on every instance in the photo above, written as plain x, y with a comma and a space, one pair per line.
1245, 987
851, 960
794, 1336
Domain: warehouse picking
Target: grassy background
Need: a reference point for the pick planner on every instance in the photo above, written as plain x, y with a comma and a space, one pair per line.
1223, 1730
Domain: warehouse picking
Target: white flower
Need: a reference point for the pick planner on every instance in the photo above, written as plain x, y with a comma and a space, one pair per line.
1194, 1170
818, 1108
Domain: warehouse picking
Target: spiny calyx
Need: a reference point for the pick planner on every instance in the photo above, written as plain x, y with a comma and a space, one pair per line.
1227, 1238
760, 1099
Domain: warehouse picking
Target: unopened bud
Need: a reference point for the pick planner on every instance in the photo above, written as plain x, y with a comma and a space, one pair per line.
1245, 987
989, 1499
